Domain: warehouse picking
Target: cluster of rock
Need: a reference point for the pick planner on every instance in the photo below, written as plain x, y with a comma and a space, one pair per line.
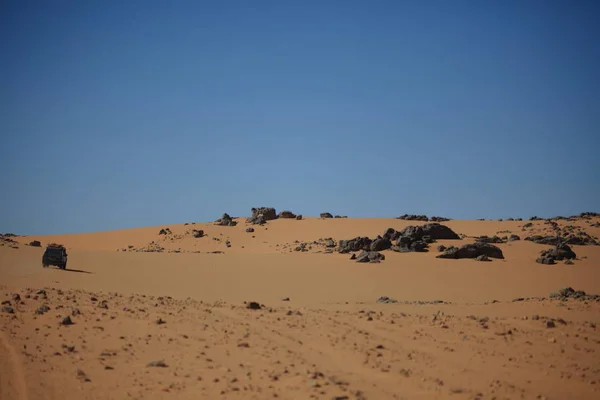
226, 220
479, 250
35, 243
328, 244
413, 238
498, 239
570, 293
165, 231
560, 252
329, 215
582, 239
414, 217
6, 240
197, 233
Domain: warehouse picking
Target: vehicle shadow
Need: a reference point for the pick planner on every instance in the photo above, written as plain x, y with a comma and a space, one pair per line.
77, 270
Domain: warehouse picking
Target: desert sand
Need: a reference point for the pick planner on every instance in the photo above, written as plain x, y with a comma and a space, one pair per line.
175, 323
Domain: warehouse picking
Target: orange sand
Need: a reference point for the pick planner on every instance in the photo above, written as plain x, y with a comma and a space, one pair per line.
331, 339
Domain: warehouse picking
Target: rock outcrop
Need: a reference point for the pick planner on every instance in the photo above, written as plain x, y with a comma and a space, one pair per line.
225, 220
261, 215
413, 238
472, 251
287, 214
412, 217
558, 253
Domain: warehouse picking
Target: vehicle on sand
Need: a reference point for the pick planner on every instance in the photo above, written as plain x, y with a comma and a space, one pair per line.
55, 254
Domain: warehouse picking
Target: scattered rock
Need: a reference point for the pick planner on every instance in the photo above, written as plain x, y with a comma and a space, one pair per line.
82, 376
165, 231
386, 300
16, 297
550, 324
250, 230
197, 233
42, 310
8, 309
159, 364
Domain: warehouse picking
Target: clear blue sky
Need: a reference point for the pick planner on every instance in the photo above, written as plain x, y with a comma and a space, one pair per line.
118, 114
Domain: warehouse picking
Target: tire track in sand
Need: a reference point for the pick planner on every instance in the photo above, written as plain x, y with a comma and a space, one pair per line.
12, 378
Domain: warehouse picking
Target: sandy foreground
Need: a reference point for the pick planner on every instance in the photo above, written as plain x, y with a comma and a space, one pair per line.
175, 324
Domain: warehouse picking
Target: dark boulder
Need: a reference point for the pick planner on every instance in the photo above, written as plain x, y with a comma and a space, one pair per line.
298, 217
197, 233
439, 219
545, 260
356, 244
391, 234
513, 238
326, 215
380, 244
407, 244
287, 214
261, 215
370, 256
35, 243
250, 230
435, 231
441, 248
165, 231
473, 251
482, 257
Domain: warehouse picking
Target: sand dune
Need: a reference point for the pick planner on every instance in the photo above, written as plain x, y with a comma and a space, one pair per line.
461, 328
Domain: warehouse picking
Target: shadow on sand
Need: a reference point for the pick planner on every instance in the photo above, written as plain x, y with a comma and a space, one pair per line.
78, 270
